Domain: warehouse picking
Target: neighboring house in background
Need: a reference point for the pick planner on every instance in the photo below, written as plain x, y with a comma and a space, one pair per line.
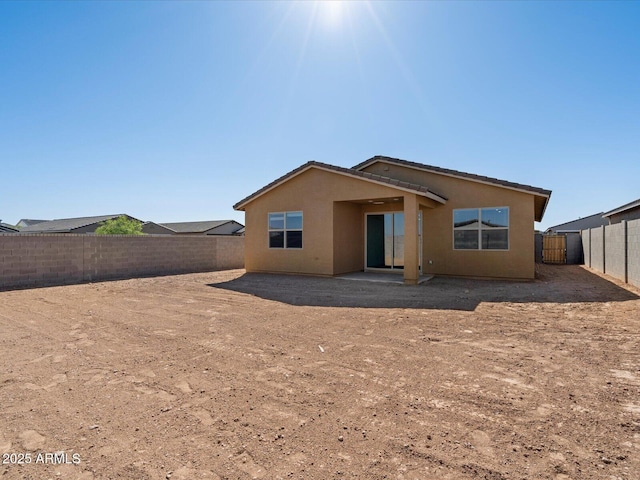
592, 221
391, 215
211, 227
71, 225
153, 228
6, 228
629, 211
27, 222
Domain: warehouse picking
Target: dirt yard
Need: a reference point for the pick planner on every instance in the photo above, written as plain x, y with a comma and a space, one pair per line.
229, 375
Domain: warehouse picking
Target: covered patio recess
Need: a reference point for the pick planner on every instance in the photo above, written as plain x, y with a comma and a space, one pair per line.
391, 233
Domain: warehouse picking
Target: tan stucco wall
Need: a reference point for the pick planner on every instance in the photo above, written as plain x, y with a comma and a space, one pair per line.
517, 262
333, 233
348, 237
317, 193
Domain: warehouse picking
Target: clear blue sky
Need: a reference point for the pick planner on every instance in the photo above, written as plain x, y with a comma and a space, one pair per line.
174, 111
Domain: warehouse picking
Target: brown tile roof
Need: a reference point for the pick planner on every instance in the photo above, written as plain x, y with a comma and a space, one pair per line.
454, 173
346, 171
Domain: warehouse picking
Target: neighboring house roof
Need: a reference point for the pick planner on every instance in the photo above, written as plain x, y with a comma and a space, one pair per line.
475, 224
194, 227
27, 222
370, 177
627, 206
208, 226
6, 228
542, 194
239, 232
66, 225
153, 227
592, 221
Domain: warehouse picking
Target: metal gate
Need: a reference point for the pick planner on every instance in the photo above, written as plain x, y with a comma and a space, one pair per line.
554, 249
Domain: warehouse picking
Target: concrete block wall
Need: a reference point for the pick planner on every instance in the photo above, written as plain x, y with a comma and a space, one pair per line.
40, 259
230, 252
32, 260
633, 252
586, 246
597, 248
615, 251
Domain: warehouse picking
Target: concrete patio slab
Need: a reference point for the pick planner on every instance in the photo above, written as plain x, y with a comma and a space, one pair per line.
381, 277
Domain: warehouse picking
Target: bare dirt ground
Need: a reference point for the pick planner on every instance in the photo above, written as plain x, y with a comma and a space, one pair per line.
229, 375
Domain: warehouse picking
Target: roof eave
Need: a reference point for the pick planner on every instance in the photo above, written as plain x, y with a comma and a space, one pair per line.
544, 208
309, 165
469, 176
624, 208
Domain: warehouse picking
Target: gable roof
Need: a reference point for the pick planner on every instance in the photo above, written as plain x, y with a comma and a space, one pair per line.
6, 228
623, 208
350, 172
197, 227
454, 173
26, 222
592, 221
66, 225
159, 226
541, 195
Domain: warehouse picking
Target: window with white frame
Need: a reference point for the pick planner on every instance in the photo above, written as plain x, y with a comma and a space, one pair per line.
481, 228
285, 230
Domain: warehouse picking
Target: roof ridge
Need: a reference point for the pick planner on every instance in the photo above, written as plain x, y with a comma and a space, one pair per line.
452, 172
376, 176
90, 216
197, 226
196, 221
350, 171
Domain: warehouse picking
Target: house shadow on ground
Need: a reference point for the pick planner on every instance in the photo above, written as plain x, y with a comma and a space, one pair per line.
554, 284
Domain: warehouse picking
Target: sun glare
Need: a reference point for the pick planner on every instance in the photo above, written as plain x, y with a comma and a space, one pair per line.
332, 11
338, 24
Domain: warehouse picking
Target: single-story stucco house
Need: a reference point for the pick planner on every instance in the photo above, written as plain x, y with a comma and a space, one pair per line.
392, 215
